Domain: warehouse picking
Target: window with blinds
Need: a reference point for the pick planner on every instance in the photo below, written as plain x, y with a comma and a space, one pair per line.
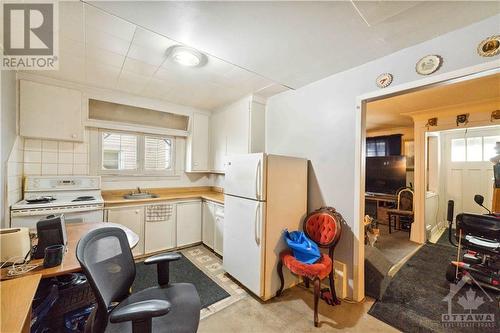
119, 151
157, 153
127, 153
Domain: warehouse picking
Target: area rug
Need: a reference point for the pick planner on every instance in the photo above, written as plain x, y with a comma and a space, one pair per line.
182, 270
416, 298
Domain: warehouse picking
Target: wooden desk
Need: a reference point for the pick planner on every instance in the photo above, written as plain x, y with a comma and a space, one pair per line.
16, 296
382, 203
69, 263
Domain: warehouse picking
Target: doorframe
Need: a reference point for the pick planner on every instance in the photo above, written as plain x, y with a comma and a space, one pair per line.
418, 229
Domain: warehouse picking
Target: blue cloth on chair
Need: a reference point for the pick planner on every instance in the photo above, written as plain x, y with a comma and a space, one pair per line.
304, 249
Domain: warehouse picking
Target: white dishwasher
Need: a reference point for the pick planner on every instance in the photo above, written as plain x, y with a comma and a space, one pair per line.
159, 233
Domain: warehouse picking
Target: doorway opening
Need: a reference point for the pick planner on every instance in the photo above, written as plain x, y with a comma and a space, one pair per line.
412, 163
458, 169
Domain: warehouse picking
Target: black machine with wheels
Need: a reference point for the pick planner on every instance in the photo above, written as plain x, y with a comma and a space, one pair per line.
477, 238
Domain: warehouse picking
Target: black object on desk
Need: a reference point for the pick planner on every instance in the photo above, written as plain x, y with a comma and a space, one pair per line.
53, 255
51, 231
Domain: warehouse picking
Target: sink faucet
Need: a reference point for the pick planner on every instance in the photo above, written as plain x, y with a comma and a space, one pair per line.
138, 189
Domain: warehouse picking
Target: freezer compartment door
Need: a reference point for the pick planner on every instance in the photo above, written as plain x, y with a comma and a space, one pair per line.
246, 176
243, 256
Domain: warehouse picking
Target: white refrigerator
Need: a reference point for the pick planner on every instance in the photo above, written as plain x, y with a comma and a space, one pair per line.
264, 194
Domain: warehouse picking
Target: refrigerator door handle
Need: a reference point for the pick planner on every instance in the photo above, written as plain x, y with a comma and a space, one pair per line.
257, 181
257, 221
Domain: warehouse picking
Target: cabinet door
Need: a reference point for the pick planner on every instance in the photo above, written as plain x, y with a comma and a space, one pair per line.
219, 229
132, 218
188, 223
238, 125
219, 234
208, 224
200, 142
218, 141
159, 233
50, 112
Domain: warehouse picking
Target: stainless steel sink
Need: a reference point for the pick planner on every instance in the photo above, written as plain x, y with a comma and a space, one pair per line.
132, 196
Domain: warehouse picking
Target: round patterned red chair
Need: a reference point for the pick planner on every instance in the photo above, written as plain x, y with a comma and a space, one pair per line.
323, 226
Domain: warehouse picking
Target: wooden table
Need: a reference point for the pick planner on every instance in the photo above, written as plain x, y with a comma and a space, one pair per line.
69, 263
16, 296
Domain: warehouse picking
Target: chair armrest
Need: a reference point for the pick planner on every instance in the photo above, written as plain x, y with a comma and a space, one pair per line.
163, 265
162, 257
140, 311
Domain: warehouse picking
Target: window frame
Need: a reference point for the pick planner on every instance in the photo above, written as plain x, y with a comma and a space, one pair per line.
140, 153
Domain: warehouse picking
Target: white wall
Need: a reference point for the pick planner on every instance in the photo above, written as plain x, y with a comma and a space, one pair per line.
8, 134
318, 121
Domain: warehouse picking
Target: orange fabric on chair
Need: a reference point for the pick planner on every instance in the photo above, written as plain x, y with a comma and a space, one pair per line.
321, 228
319, 269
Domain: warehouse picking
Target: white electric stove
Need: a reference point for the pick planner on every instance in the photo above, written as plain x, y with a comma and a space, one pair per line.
77, 197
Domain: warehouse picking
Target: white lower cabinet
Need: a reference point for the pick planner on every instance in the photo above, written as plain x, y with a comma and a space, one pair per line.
132, 218
188, 222
208, 224
159, 227
166, 225
218, 229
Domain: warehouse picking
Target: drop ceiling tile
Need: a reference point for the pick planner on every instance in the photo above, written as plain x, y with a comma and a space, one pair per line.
271, 90
71, 21
102, 75
150, 56
375, 12
106, 41
108, 23
132, 82
152, 41
71, 47
156, 89
105, 57
139, 67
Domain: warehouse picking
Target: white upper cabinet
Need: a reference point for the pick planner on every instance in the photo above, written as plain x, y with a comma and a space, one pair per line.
238, 128
218, 141
50, 112
198, 144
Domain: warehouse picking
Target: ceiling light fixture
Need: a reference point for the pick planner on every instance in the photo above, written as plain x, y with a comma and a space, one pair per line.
187, 56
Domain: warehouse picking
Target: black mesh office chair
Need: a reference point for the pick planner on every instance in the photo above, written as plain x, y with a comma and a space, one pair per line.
107, 261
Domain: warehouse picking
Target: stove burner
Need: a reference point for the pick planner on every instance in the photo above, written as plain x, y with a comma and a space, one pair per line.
84, 198
40, 200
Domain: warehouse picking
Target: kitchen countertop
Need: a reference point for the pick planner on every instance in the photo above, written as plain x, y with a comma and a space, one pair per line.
113, 198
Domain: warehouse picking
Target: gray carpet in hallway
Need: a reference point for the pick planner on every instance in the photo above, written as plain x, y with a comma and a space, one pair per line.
413, 301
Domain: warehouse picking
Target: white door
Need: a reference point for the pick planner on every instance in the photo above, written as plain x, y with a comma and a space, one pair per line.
132, 218
468, 169
246, 176
208, 224
218, 142
188, 223
243, 241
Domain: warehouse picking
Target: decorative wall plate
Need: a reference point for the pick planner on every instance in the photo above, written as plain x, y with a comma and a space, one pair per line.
384, 80
429, 64
489, 47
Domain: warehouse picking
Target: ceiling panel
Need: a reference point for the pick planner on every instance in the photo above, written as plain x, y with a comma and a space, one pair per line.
298, 42
102, 50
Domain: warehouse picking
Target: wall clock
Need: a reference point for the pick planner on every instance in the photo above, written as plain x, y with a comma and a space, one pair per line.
384, 80
489, 47
429, 64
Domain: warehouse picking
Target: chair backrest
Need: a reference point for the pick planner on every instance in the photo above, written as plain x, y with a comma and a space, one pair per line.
324, 226
106, 259
405, 199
